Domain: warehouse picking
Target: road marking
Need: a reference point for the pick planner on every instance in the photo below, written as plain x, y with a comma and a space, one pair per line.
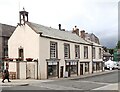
55, 87
108, 87
93, 82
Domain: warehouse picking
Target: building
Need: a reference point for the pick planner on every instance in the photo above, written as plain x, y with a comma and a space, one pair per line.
89, 36
57, 51
94, 40
5, 33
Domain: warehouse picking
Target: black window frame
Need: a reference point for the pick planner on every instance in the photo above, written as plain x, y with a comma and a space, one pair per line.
77, 51
85, 52
53, 52
66, 53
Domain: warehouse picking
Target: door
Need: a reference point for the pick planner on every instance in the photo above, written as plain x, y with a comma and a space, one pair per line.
81, 69
61, 71
30, 70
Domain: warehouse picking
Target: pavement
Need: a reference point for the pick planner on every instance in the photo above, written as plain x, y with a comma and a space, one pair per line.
26, 82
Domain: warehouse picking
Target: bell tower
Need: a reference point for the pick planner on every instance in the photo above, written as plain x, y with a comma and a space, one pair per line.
23, 15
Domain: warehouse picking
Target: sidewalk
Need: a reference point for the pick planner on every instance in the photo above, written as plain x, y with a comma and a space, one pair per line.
88, 75
26, 82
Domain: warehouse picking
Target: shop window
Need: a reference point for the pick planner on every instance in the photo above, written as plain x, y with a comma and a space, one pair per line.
52, 69
86, 67
97, 66
73, 68
94, 66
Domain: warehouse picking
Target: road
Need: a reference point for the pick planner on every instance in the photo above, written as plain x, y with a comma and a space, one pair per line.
91, 83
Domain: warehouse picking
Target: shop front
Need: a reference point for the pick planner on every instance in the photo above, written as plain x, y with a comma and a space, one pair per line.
97, 66
84, 68
71, 67
53, 68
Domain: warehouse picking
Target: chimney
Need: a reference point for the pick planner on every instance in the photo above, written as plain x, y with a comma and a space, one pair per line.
82, 35
59, 26
76, 30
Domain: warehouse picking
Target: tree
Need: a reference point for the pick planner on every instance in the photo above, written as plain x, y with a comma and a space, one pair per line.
118, 45
105, 48
111, 51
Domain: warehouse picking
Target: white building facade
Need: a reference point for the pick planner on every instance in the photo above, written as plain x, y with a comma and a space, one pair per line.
57, 52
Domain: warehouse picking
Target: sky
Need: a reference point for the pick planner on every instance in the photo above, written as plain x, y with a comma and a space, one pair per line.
94, 16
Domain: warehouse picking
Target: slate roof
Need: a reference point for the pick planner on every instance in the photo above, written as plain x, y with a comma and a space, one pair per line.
55, 33
6, 30
107, 54
94, 44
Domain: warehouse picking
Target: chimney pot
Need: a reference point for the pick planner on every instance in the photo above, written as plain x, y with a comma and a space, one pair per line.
59, 26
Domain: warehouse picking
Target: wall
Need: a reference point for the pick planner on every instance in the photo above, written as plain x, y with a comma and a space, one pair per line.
45, 54
24, 37
22, 67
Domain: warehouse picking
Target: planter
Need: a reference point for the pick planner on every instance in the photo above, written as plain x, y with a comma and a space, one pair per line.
10, 59
5, 59
18, 59
29, 59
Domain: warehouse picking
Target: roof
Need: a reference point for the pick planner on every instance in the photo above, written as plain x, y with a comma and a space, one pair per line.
92, 37
55, 33
107, 54
6, 30
93, 43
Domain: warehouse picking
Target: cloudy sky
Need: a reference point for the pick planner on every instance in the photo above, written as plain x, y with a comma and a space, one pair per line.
94, 16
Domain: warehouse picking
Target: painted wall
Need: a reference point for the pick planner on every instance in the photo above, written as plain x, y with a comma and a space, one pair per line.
22, 70
45, 54
24, 37
39, 48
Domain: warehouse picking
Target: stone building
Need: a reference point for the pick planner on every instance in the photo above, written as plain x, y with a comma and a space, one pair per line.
5, 33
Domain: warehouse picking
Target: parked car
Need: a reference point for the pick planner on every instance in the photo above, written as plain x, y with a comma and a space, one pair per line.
111, 65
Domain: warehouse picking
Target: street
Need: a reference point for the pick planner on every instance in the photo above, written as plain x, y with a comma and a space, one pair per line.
90, 83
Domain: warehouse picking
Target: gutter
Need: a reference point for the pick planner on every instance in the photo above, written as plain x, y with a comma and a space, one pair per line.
62, 39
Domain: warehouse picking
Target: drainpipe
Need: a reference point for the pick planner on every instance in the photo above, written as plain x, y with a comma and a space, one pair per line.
37, 69
92, 56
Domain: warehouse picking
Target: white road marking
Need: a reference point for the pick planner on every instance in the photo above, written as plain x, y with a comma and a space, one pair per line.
93, 82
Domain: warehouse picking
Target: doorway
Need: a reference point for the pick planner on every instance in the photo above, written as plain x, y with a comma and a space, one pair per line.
61, 71
81, 69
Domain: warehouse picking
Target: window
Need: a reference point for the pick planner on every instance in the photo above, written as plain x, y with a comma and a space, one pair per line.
93, 53
85, 52
86, 67
66, 50
100, 53
5, 52
94, 66
77, 51
53, 68
73, 68
5, 41
21, 53
53, 50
